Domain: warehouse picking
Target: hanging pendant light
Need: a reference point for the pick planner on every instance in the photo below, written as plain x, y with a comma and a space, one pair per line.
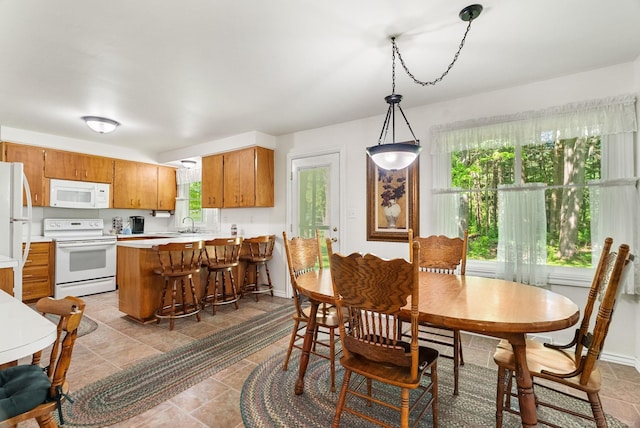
393, 156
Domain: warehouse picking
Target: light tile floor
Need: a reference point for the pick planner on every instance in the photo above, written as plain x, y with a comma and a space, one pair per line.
119, 343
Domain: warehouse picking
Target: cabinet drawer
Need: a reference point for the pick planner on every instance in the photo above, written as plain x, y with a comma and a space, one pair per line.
36, 289
30, 273
37, 259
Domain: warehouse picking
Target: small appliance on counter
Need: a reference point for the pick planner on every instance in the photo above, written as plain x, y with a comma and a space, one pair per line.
136, 223
116, 225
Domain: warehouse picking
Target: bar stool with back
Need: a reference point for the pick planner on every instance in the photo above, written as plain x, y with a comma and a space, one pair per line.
222, 255
178, 263
257, 252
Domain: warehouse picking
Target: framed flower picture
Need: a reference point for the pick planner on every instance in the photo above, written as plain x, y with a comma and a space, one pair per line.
392, 202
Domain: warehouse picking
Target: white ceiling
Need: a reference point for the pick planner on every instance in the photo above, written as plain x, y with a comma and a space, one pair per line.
179, 73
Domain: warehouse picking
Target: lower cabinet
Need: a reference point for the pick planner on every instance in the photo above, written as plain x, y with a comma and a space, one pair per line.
6, 280
38, 271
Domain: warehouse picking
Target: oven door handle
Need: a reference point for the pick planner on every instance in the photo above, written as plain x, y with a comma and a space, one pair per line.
85, 244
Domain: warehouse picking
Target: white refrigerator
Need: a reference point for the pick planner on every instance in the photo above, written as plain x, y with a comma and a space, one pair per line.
15, 219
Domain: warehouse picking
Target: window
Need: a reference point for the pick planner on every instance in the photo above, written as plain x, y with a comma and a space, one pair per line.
189, 203
565, 167
540, 190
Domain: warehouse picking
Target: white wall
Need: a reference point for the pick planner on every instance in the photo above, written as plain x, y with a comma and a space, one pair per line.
623, 343
353, 137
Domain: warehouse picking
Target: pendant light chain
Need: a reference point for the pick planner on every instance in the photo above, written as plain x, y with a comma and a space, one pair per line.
420, 82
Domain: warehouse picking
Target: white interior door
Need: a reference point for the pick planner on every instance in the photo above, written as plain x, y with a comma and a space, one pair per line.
315, 196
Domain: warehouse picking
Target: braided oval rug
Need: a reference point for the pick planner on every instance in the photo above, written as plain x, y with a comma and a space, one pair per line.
268, 399
142, 386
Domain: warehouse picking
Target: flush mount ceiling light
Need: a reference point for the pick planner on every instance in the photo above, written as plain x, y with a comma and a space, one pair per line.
188, 163
392, 156
101, 125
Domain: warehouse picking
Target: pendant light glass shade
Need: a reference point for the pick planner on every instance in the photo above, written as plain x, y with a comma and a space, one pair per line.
394, 156
101, 125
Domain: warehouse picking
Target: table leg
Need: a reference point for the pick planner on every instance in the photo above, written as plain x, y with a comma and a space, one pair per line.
524, 380
306, 347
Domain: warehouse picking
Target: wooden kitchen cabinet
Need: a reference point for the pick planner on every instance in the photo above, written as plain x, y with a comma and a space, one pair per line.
248, 178
38, 271
6, 280
135, 185
76, 166
166, 188
33, 159
212, 181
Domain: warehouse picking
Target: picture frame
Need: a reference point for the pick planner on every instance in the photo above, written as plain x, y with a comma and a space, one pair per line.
392, 202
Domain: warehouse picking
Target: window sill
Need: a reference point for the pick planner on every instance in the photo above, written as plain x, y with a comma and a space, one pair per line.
566, 276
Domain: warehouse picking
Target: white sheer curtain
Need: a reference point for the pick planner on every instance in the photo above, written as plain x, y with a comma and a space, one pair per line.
608, 116
522, 232
450, 221
184, 177
613, 119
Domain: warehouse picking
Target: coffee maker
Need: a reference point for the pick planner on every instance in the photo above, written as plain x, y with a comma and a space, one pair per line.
137, 224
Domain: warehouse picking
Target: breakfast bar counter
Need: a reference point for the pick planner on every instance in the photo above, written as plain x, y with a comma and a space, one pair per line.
138, 287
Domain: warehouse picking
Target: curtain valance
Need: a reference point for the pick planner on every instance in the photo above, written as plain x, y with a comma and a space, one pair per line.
188, 175
608, 116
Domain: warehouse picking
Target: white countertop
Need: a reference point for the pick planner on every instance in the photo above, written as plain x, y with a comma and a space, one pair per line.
39, 238
23, 331
179, 237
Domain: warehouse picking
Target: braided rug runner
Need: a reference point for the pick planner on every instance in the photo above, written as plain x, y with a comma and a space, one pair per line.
268, 399
144, 385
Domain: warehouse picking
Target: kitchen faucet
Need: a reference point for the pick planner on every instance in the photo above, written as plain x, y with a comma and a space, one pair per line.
193, 227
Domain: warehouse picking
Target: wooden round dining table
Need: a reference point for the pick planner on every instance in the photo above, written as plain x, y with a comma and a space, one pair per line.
493, 307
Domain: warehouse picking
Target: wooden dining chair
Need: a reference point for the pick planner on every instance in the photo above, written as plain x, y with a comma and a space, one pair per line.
177, 263
305, 255
31, 391
373, 291
221, 257
572, 367
446, 255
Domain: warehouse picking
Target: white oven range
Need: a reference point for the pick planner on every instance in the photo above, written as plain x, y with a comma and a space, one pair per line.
85, 257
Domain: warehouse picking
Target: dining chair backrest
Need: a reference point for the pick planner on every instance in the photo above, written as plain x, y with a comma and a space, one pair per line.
600, 278
442, 254
594, 342
373, 291
303, 255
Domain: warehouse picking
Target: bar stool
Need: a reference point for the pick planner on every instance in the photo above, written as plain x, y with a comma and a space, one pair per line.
178, 263
222, 255
257, 252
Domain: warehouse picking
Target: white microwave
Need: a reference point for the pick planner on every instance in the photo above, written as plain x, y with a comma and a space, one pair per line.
78, 194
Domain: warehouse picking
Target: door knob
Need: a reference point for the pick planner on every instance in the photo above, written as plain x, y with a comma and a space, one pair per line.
334, 239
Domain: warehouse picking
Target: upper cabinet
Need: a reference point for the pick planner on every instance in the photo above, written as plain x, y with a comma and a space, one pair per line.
247, 178
33, 159
166, 188
212, 181
76, 166
135, 185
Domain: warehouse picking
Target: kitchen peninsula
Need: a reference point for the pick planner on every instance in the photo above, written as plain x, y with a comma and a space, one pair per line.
139, 288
